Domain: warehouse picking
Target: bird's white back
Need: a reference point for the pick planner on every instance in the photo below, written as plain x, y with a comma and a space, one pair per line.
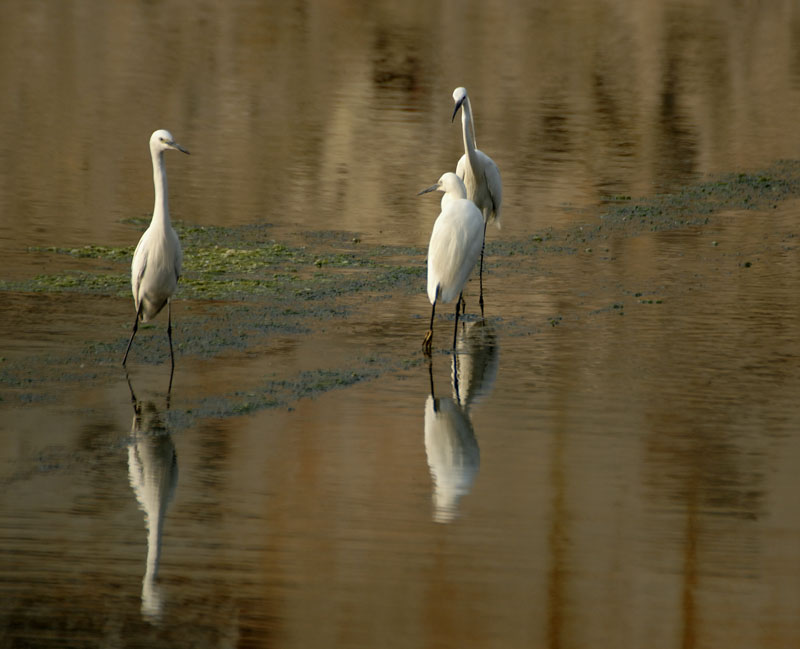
454, 249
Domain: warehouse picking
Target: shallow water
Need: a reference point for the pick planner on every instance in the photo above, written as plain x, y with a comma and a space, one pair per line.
607, 461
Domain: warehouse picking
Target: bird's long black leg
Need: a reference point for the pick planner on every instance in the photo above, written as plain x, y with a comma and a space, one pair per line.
171, 355
169, 332
480, 274
133, 333
455, 328
428, 341
169, 387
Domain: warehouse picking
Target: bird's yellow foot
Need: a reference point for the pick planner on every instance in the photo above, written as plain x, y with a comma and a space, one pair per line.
428, 342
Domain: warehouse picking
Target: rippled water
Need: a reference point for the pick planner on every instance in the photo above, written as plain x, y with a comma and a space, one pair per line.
609, 459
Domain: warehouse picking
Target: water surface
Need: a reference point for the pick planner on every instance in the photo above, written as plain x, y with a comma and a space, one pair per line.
609, 458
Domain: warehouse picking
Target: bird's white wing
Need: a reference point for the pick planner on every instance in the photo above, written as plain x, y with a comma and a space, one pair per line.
454, 248
495, 187
178, 257
138, 266
487, 192
473, 238
461, 166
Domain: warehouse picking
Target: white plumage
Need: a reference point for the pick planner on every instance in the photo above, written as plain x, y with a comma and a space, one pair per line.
156, 264
153, 475
453, 454
454, 248
478, 171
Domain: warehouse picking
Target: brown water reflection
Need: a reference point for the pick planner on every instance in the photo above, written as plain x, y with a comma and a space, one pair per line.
286, 104
626, 419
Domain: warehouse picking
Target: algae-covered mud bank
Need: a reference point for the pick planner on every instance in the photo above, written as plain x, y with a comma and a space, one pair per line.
609, 457
240, 289
243, 292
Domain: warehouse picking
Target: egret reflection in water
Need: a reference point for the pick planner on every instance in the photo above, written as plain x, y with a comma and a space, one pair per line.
153, 475
475, 363
450, 444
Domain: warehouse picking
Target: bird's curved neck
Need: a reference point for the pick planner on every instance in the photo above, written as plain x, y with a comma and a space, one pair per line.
161, 207
457, 191
468, 129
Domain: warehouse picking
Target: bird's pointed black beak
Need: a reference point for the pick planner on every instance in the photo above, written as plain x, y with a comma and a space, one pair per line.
455, 110
177, 146
429, 189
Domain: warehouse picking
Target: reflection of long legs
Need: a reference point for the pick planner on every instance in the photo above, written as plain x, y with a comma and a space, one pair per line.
171, 355
137, 408
428, 341
169, 335
455, 328
133, 333
455, 376
433, 391
134, 400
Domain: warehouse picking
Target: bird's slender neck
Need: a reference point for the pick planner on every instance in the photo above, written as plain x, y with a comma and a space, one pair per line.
161, 207
468, 129
456, 191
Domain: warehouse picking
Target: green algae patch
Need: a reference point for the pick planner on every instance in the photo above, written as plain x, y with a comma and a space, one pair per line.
246, 263
694, 203
342, 259
74, 282
218, 260
226, 288
91, 252
691, 206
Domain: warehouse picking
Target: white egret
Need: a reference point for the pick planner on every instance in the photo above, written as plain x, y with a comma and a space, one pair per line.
156, 264
479, 172
454, 247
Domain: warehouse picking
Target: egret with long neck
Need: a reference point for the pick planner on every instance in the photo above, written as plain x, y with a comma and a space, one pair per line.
479, 172
156, 264
454, 248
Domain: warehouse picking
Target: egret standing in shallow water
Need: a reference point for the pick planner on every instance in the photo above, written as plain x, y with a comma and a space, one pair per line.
479, 172
156, 264
454, 248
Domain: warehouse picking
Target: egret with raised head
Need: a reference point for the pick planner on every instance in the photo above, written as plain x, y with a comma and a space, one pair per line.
157, 259
479, 172
454, 248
